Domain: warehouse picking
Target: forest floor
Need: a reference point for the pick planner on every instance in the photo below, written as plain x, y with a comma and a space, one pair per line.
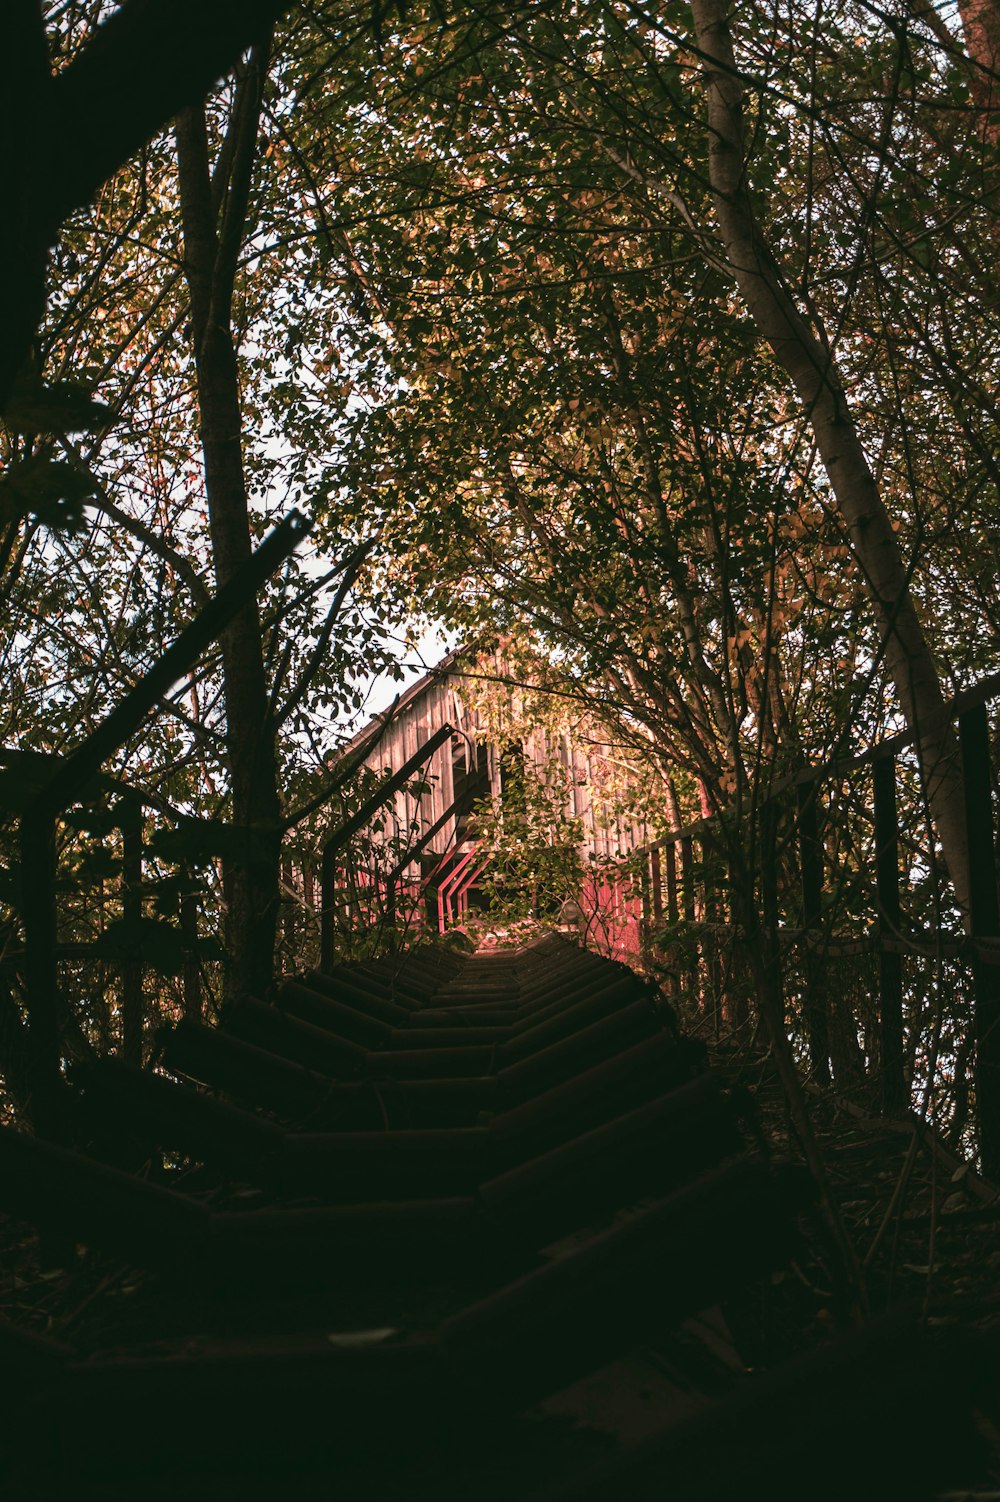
923, 1225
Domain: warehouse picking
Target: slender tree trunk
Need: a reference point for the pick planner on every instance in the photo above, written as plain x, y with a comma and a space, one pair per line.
813, 373
981, 29
211, 242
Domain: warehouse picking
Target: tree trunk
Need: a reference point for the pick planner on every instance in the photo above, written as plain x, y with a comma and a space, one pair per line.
813, 373
211, 245
981, 29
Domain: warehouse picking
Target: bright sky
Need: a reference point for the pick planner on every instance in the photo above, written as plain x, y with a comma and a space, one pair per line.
429, 650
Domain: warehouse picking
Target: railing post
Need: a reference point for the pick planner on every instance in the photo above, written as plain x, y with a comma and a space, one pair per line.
327, 915
191, 977
769, 905
340, 838
687, 898
687, 876
132, 1009
811, 877
673, 907
710, 916
646, 904
391, 901
38, 823
38, 908
656, 883
984, 923
894, 1093
428, 865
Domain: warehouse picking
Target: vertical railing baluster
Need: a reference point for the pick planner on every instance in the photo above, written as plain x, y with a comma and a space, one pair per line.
984, 923
687, 897
191, 976
327, 916
672, 983
894, 1093
811, 878
738, 971
130, 816
38, 908
673, 908
67, 784
392, 894
769, 904
656, 883
645, 916
687, 877
710, 948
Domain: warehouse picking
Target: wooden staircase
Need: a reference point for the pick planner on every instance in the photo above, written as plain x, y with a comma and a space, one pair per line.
429, 1224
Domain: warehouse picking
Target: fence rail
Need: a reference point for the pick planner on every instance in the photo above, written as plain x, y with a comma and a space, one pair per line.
76, 779
663, 887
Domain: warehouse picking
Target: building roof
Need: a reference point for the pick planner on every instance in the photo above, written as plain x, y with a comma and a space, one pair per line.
402, 700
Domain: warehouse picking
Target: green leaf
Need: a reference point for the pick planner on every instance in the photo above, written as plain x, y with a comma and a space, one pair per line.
51, 490
157, 943
21, 782
66, 407
167, 892
91, 818
197, 841
98, 865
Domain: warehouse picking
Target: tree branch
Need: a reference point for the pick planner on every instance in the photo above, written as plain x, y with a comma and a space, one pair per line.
145, 64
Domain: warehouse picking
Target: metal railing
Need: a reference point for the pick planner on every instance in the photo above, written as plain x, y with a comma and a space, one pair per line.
76, 779
680, 883
380, 895
337, 841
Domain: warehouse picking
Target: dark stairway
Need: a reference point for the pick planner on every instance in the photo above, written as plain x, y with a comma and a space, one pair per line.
432, 1224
